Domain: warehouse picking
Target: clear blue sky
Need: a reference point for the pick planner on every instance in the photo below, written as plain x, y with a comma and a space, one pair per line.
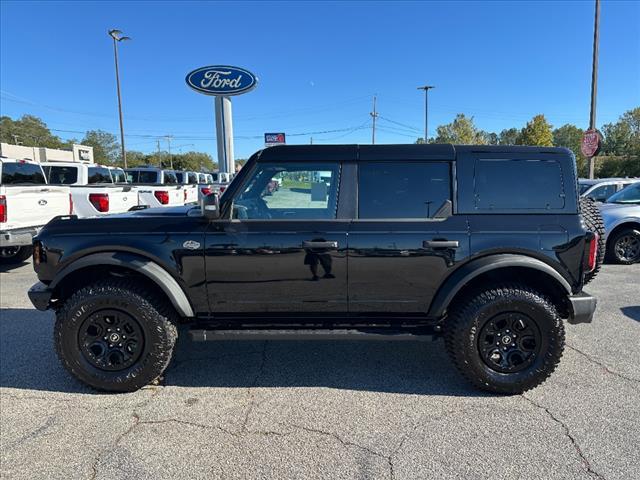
319, 65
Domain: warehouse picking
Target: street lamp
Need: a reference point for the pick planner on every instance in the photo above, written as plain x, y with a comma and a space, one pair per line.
117, 37
426, 89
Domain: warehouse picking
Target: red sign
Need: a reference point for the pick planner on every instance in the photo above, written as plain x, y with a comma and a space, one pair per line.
590, 143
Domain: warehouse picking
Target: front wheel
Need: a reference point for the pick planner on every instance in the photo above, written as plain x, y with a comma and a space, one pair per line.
625, 247
506, 339
115, 336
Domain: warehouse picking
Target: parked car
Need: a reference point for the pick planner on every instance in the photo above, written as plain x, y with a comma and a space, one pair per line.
485, 246
157, 187
621, 216
26, 204
92, 187
602, 188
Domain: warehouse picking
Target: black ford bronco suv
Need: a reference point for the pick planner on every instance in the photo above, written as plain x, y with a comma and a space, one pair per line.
488, 247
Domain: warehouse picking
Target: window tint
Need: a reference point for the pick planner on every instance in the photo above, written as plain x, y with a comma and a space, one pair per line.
62, 175
142, 176
170, 177
518, 185
118, 175
22, 172
402, 189
202, 178
602, 192
99, 175
193, 178
215, 177
631, 194
181, 177
290, 191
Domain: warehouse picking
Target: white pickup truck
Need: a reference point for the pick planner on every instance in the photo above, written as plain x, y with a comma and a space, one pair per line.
27, 203
156, 187
92, 188
189, 181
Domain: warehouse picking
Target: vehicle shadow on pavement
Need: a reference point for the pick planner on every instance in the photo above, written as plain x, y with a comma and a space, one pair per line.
632, 312
28, 361
12, 266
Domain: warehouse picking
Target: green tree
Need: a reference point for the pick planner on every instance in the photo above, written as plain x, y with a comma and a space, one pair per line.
570, 136
489, 138
461, 131
537, 132
29, 131
508, 136
620, 154
105, 146
137, 159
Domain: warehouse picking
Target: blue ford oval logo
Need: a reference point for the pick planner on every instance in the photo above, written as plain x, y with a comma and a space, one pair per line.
221, 80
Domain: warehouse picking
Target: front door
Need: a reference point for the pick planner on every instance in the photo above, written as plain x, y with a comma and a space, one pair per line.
405, 239
283, 249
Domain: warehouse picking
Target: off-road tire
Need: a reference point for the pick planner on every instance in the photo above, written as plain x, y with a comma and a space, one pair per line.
154, 315
593, 221
613, 256
467, 319
22, 254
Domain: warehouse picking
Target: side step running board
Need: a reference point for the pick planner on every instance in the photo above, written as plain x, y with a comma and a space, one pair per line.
304, 334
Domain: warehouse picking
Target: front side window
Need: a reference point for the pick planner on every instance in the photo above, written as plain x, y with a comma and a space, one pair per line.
290, 192
402, 189
630, 194
99, 175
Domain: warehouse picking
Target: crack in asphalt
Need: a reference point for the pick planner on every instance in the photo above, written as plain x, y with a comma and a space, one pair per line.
567, 432
250, 392
602, 365
33, 434
119, 438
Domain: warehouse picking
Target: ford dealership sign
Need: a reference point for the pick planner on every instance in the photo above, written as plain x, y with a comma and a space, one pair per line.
222, 80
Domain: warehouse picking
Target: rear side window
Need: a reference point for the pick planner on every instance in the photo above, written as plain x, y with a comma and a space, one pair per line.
142, 176
193, 178
170, 178
62, 175
99, 175
402, 189
22, 172
503, 184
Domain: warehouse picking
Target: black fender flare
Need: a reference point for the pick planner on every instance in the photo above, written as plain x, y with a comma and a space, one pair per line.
139, 264
463, 275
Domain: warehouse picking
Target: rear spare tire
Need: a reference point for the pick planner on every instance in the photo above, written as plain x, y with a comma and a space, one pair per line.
593, 221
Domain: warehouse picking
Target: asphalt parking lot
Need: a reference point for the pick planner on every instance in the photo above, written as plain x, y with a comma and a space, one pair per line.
324, 409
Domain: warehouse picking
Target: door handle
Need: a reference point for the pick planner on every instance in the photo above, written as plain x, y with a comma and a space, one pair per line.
319, 244
440, 244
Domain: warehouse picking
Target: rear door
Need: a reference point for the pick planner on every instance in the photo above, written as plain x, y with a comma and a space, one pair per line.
406, 237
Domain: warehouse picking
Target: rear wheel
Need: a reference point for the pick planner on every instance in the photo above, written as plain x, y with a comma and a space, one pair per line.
115, 335
12, 255
506, 340
593, 220
625, 246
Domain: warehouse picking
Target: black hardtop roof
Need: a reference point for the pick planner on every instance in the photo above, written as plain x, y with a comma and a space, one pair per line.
432, 151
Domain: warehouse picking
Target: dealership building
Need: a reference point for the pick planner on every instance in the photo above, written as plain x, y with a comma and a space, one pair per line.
78, 153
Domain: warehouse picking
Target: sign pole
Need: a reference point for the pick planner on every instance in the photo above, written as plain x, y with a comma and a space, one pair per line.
224, 134
594, 82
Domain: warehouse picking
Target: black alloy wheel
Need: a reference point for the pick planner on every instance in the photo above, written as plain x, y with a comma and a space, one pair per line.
509, 342
111, 340
626, 247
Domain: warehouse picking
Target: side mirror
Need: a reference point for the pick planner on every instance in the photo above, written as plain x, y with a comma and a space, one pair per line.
211, 207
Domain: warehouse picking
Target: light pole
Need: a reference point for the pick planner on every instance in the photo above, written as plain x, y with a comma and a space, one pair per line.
117, 37
594, 81
426, 89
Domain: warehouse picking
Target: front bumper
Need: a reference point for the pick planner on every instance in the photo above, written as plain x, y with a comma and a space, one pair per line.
583, 307
40, 296
19, 237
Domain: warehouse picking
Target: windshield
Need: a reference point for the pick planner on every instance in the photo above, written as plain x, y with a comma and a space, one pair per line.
118, 175
22, 172
99, 175
630, 195
584, 187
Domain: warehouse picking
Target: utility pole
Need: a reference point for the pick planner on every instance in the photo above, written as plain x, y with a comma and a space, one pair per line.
169, 137
594, 82
374, 115
15, 139
311, 141
426, 89
116, 35
159, 159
